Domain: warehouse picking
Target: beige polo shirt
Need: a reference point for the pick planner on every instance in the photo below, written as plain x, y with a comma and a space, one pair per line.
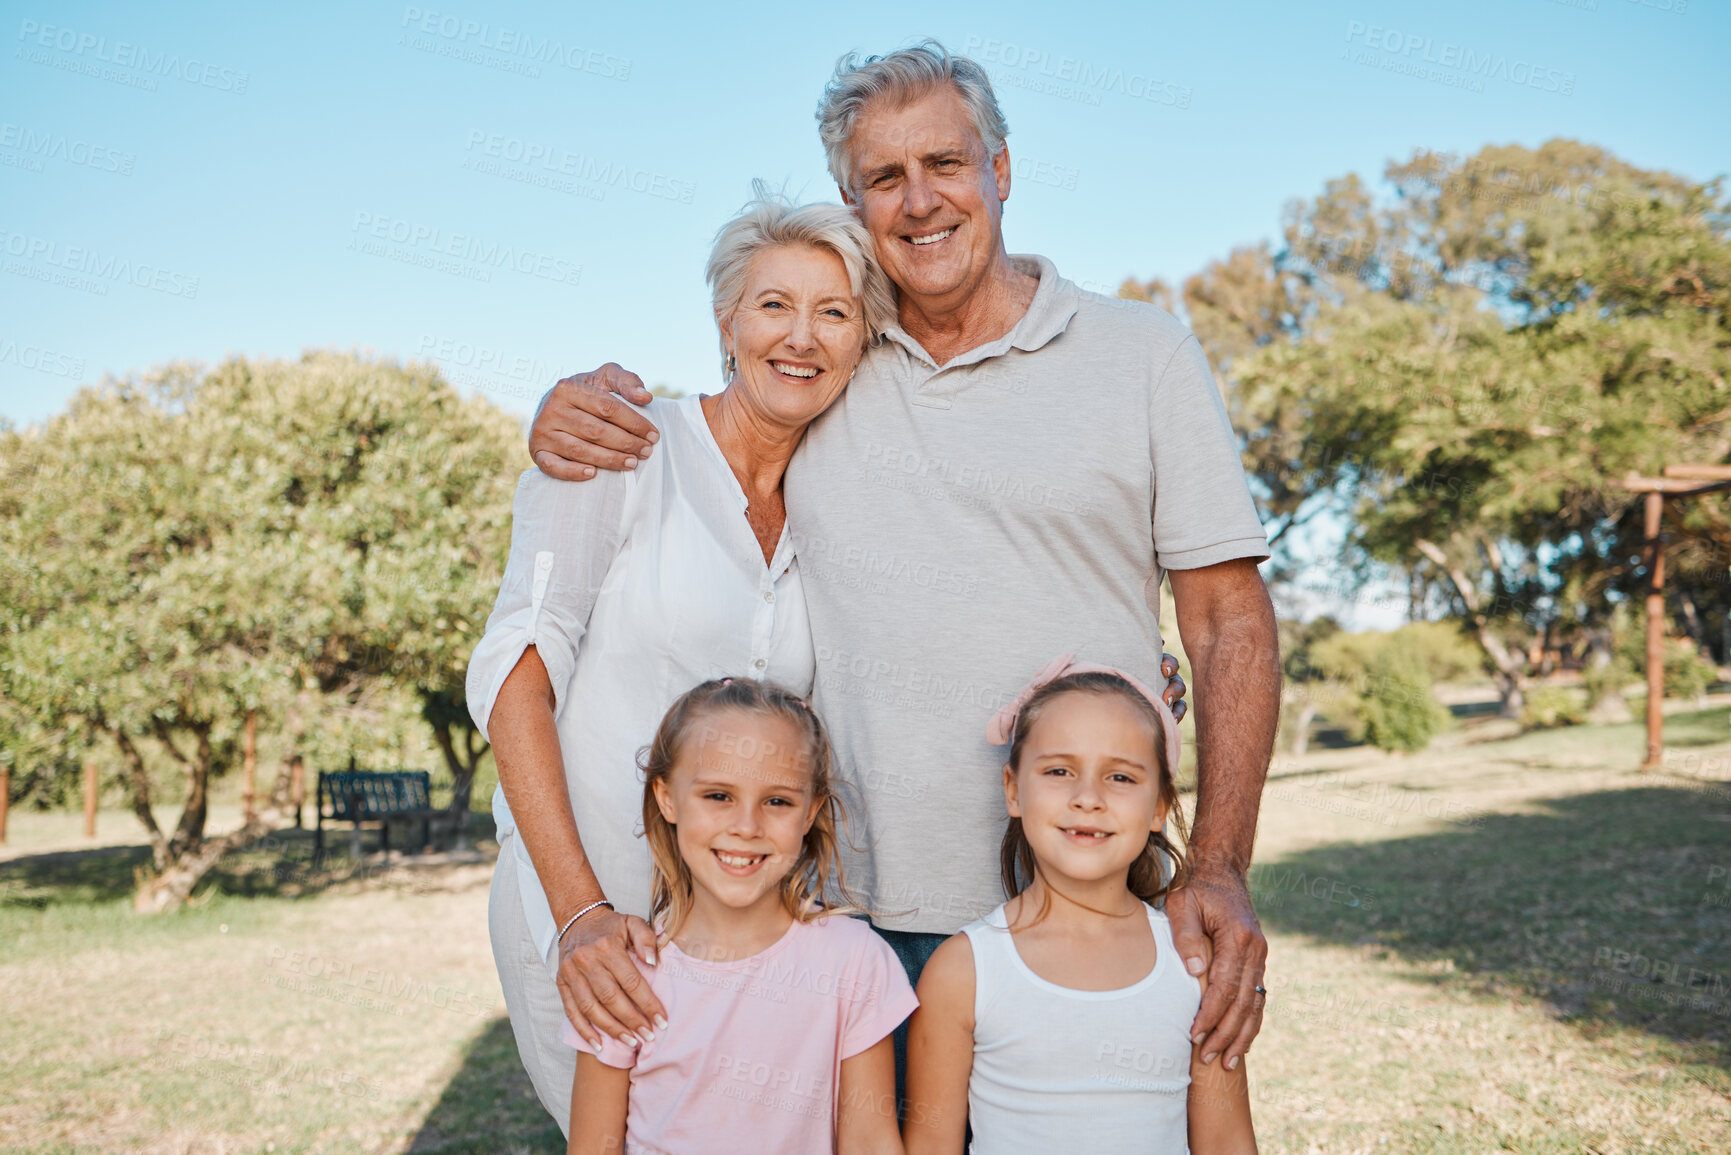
960, 526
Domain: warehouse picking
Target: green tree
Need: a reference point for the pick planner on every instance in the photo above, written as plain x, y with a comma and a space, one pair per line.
1456, 372
289, 539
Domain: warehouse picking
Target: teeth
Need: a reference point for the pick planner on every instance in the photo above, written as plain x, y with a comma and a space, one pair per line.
794, 370
738, 859
933, 237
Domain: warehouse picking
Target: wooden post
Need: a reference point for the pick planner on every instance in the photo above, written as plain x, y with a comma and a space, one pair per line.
249, 761
297, 787
90, 800
5, 799
1655, 634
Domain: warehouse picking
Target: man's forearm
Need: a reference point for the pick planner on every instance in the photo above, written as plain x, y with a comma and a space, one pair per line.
1229, 633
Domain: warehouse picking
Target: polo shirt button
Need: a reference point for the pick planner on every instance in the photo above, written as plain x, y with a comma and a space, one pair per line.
769, 595
760, 663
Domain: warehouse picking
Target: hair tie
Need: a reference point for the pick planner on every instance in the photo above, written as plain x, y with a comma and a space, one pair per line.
1003, 724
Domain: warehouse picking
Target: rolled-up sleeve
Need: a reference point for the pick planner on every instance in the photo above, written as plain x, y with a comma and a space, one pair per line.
1203, 513
565, 536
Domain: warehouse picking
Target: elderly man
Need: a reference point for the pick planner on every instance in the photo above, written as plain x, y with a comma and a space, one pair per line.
1006, 479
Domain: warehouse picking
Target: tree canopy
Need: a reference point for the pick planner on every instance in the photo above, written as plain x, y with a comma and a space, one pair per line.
285, 539
1457, 369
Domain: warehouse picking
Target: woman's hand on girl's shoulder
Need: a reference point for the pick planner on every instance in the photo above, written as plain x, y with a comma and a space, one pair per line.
941, 1052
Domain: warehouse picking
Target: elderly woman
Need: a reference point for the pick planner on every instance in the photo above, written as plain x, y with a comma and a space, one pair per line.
624, 592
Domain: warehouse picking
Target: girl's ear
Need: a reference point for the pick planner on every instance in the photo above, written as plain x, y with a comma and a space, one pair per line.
1159, 816
664, 800
1012, 800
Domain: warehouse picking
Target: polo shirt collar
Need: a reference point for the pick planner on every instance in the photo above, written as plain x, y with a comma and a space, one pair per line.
1055, 302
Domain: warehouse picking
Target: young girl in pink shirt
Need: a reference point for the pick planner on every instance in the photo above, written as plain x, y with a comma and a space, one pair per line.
779, 1010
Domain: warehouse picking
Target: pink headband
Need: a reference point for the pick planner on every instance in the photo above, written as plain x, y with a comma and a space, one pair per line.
1003, 723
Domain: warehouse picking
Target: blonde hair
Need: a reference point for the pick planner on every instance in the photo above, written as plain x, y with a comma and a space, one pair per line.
770, 221
817, 872
1161, 868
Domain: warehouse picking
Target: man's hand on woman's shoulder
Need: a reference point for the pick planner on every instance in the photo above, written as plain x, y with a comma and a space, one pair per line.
582, 425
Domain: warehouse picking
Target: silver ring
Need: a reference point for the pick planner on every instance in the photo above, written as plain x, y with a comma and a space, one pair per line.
1262, 990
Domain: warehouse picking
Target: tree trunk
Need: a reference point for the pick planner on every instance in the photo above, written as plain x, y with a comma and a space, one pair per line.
1508, 667
1301, 730
139, 782
173, 884
189, 834
462, 774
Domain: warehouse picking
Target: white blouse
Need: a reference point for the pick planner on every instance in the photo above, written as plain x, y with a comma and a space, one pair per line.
634, 587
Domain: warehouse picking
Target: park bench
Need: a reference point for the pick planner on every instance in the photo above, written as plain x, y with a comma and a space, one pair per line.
388, 798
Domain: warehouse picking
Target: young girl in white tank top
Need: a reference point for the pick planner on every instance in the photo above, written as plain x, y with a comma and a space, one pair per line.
1060, 1021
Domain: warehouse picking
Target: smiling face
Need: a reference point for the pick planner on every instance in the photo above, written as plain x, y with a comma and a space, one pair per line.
797, 332
1087, 786
930, 195
740, 800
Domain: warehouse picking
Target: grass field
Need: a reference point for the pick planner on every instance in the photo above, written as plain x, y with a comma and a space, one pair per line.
1520, 945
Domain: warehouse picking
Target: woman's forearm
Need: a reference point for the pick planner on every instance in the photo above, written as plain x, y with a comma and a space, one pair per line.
531, 770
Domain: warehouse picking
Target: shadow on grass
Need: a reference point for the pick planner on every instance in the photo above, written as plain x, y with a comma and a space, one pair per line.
280, 865
1699, 727
489, 1106
1613, 907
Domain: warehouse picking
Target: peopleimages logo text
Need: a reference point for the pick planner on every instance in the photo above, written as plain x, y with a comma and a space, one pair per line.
1071, 70
1482, 65
514, 42
123, 54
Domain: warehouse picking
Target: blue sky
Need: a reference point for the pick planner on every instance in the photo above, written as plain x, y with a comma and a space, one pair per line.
518, 191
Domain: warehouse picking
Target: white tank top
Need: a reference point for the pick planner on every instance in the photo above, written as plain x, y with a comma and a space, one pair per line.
1058, 1070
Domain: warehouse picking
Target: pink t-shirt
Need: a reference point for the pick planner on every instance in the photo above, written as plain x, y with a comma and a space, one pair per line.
751, 1057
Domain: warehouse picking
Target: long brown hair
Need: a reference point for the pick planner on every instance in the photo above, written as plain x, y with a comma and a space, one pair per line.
1161, 868
817, 873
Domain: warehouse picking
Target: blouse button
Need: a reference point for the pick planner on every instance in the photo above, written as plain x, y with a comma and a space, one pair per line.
769, 595
760, 663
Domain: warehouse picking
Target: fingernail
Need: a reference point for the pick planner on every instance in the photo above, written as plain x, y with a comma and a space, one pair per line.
646, 1035
631, 463
650, 959
652, 436
644, 452
1194, 966
1208, 1057
628, 1040
1232, 1063
660, 1023
588, 471
1196, 1039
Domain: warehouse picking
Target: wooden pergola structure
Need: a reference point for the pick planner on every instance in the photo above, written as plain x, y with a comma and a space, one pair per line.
1678, 481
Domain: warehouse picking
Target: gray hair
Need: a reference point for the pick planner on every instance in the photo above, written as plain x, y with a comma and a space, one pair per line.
901, 77
770, 221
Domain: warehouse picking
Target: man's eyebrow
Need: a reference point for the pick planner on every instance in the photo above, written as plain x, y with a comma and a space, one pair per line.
881, 170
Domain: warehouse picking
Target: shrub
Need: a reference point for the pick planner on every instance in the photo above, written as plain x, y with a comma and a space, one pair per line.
1399, 710
1548, 707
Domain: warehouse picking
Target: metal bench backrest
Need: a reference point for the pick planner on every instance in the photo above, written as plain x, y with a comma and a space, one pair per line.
356, 795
